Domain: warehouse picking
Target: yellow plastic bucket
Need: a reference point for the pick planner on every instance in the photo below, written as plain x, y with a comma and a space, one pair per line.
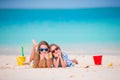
21, 60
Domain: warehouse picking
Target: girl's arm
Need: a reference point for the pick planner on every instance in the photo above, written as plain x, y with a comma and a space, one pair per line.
41, 61
63, 62
49, 63
49, 60
56, 62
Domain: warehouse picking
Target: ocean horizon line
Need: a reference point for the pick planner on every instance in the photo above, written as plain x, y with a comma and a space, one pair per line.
61, 8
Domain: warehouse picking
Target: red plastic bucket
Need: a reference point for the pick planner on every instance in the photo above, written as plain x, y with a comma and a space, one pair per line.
97, 59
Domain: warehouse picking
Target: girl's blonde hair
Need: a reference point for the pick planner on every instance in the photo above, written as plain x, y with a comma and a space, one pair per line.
37, 54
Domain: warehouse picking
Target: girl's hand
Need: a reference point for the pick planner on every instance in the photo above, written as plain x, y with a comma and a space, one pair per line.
41, 57
59, 54
47, 56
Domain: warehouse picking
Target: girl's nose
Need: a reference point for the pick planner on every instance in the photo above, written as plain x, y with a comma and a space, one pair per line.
55, 51
44, 51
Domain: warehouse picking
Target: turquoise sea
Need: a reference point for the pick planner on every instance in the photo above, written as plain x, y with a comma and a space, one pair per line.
77, 31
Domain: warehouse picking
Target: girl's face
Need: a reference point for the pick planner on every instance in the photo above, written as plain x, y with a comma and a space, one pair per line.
43, 49
55, 51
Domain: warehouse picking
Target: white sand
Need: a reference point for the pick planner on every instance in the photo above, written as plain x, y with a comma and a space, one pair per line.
10, 71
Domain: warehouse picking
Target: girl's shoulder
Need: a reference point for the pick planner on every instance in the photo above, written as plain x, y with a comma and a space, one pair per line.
64, 55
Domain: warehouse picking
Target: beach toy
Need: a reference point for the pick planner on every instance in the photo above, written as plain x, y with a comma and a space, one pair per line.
97, 59
21, 59
110, 64
22, 51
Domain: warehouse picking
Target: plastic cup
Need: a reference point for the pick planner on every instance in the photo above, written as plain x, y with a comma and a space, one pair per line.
97, 59
21, 60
